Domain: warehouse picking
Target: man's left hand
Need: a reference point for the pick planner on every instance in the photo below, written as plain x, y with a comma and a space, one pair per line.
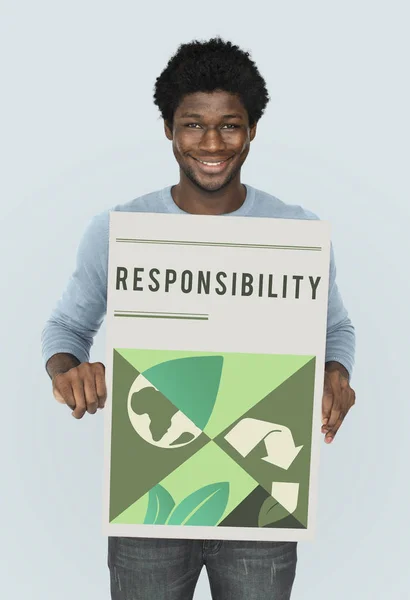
338, 399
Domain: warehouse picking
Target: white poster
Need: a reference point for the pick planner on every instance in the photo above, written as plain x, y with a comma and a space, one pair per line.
216, 332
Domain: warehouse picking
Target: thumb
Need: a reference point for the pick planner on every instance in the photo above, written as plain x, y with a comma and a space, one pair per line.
58, 397
57, 394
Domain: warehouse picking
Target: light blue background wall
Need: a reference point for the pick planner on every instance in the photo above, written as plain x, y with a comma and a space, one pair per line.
80, 133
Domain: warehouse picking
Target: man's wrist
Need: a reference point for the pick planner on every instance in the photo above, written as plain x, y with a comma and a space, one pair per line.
61, 363
333, 365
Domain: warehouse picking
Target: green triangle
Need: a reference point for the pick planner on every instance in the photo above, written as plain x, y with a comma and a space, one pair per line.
291, 405
191, 384
128, 480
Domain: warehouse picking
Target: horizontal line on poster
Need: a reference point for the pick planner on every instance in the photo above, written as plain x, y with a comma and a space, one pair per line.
161, 315
219, 244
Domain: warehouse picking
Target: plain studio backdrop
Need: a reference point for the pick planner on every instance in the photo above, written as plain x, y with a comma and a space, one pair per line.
80, 133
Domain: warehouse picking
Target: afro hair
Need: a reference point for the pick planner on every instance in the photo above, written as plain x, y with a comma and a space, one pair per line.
208, 66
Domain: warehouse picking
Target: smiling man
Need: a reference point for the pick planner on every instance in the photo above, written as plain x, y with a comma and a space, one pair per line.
211, 136
211, 97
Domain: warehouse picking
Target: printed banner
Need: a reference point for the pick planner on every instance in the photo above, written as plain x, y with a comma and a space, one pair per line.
216, 332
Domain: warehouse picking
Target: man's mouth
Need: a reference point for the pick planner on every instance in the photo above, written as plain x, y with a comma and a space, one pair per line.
212, 166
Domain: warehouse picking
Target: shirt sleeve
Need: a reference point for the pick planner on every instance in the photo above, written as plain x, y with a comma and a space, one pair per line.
80, 311
341, 338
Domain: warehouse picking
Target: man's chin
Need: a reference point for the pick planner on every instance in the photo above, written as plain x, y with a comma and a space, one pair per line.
210, 186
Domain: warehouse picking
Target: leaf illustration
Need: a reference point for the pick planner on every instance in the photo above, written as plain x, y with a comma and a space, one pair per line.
271, 512
203, 507
190, 383
160, 505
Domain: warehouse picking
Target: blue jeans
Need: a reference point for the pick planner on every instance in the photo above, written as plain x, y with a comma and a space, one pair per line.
162, 569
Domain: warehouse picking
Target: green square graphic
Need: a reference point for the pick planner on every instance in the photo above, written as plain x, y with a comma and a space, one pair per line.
207, 438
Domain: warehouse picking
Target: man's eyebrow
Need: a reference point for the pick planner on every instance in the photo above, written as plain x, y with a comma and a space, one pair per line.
198, 116
233, 116
191, 116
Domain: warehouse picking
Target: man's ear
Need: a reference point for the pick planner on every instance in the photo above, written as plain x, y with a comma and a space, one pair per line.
168, 130
252, 131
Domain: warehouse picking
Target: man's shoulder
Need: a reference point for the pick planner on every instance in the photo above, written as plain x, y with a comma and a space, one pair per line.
267, 205
151, 202
95, 239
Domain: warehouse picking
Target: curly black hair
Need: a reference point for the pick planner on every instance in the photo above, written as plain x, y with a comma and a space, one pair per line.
208, 66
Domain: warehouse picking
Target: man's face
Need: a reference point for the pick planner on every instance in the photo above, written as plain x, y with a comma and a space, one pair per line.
211, 128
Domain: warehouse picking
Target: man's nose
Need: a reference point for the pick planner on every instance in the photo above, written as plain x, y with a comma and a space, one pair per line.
212, 141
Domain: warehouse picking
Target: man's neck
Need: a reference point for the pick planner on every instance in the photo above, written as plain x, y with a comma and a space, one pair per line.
189, 198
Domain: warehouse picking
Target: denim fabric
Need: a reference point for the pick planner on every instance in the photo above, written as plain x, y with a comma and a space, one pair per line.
162, 569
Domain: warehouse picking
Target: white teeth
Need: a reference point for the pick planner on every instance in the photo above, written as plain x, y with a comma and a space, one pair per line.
211, 163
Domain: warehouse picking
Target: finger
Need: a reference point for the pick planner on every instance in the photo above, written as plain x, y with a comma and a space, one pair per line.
63, 393
58, 395
348, 403
80, 403
334, 417
346, 400
327, 402
90, 393
338, 413
337, 400
330, 436
100, 386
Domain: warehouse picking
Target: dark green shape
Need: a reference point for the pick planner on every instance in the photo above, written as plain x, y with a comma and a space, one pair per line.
136, 465
159, 409
271, 512
160, 505
203, 507
246, 514
291, 405
191, 384
288, 522
184, 438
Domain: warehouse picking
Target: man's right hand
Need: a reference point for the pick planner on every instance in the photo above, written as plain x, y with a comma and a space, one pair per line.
82, 388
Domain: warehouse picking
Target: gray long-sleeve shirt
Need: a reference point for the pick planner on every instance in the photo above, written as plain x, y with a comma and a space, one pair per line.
81, 309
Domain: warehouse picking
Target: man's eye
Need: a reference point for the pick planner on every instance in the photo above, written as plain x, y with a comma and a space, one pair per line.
229, 126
